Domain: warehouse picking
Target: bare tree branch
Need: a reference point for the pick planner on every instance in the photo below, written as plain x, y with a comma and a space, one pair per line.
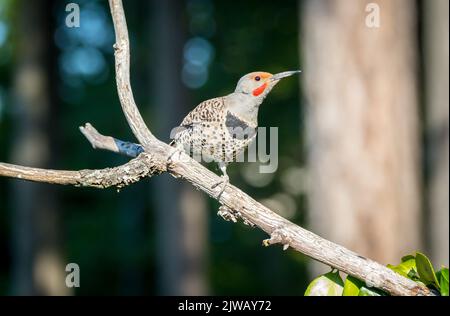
160, 157
122, 56
131, 172
99, 141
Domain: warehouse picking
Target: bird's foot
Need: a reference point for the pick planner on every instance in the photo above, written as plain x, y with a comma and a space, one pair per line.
225, 180
175, 155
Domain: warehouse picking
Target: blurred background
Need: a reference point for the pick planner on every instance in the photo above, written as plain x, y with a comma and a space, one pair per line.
363, 140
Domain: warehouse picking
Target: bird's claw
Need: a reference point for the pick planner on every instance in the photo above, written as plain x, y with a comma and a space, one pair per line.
224, 182
176, 152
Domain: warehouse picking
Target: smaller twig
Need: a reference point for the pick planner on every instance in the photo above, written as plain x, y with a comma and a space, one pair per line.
278, 236
99, 141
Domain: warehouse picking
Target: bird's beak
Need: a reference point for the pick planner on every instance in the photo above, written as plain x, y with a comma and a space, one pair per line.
284, 74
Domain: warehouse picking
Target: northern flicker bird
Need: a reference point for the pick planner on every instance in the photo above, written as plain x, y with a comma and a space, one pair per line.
219, 129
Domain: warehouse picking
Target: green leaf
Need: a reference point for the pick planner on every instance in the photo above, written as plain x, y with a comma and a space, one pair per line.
329, 284
438, 275
408, 257
352, 286
442, 275
426, 271
413, 275
407, 268
398, 270
364, 291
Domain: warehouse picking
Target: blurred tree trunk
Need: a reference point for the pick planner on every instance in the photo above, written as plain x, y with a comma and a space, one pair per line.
181, 218
436, 24
37, 265
362, 125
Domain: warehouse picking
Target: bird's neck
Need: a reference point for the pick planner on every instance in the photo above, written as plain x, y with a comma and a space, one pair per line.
245, 106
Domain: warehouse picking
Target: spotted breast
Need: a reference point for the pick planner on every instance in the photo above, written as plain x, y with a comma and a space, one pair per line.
212, 133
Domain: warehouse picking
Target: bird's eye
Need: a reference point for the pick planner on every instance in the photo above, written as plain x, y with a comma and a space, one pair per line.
257, 78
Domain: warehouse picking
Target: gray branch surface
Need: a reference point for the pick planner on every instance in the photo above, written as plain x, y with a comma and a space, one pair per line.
143, 166
160, 157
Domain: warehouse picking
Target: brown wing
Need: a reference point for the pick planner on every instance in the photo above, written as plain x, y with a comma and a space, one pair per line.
208, 111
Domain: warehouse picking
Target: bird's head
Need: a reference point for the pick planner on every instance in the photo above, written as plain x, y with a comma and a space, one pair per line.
259, 83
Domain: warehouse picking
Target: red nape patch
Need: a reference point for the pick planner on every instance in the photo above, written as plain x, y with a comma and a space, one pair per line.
259, 90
